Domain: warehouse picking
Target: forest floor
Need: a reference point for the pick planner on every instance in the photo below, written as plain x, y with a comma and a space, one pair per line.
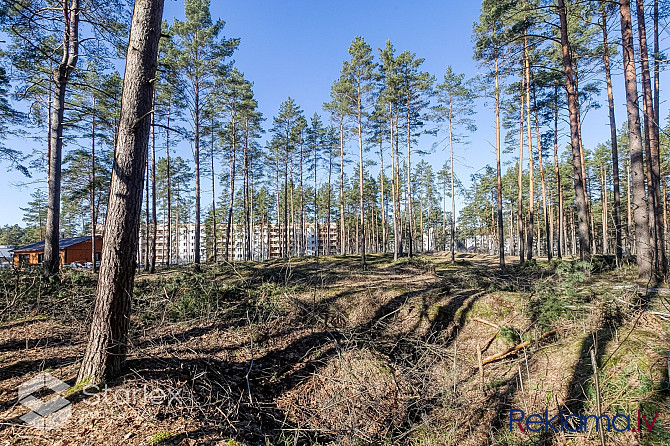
320, 351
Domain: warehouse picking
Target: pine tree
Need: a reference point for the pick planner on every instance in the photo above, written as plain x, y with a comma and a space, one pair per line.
35, 214
415, 88
45, 49
645, 266
573, 109
489, 43
359, 71
340, 108
316, 144
108, 338
454, 106
390, 96
284, 146
168, 104
651, 149
202, 52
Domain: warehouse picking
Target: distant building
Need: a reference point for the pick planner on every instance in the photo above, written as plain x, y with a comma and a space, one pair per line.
6, 255
265, 243
72, 250
182, 244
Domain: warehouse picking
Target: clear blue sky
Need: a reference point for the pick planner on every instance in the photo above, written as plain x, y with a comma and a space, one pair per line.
296, 48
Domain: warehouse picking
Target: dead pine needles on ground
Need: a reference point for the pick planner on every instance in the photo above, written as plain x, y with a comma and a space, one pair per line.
415, 352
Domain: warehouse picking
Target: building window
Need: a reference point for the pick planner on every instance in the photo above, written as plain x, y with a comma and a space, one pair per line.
40, 258
24, 259
97, 256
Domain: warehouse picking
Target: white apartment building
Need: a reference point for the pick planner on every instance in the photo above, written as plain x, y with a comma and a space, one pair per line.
182, 244
265, 243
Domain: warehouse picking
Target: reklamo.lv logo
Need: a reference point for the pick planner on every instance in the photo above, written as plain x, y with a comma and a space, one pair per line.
578, 423
44, 415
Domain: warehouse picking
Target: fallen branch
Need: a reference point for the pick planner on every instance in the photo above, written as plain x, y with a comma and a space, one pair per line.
514, 349
485, 322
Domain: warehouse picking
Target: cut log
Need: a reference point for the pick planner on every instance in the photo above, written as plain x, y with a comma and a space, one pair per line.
485, 322
514, 349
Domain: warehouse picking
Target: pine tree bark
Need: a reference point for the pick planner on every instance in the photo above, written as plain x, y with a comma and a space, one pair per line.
499, 209
154, 217
92, 191
169, 187
616, 210
302, 238
657, 72
559, 187
231, 199
529, 137
147, 215
327, 248
248, 233
603, 210
286, 163
61, 76
360, 172
383, 202
409, 187
519, 204
548, 243
394, 190
587, 197
343, 233
316, 204
108, 338
639, 201
214, 222
196, 157
630, 240
453, 189
573, 109
652, 145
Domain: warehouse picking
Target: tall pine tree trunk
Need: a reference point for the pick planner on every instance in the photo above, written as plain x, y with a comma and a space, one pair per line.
616, 211
394, 190
211, 159
61, 76
383, 202
409, 184
559, 188
196, 156
548, 241
451, 174
341, 196
302, 238
531, 179
327, 249
519, 204
108, 338
147, 215
316, 206
639, 201
248, 233
92, 191
603, 198
360, 173
499, 209
573, 110
652, 144
154, 217
169, 186
231, 201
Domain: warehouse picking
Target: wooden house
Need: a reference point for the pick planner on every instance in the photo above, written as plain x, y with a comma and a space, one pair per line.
72, 250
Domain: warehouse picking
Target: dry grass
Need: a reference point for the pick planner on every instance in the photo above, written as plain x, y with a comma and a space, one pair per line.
307, 352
